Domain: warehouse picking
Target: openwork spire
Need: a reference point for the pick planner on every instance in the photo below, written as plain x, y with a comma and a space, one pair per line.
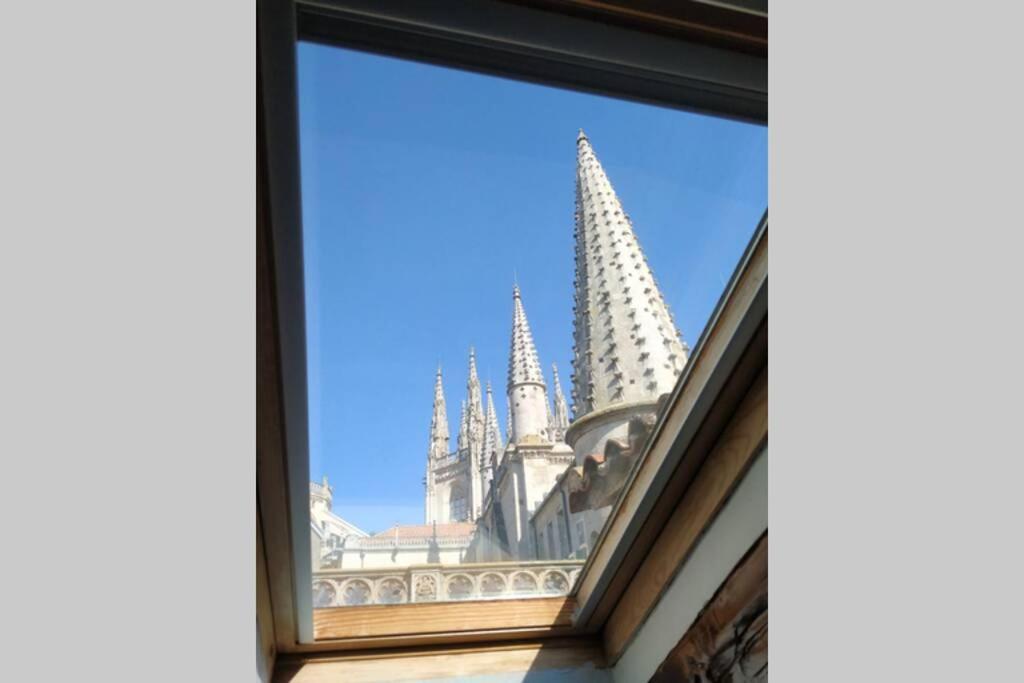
523, 365
439, 421
626, 345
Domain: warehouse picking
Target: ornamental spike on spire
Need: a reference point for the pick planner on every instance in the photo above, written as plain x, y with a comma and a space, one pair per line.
627, 347
439, 420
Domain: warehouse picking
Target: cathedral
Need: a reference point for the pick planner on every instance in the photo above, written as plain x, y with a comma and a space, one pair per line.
546, 491
525, 498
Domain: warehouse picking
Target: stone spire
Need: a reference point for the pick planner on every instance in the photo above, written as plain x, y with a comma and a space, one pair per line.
439, 421
474, 436
463, 440
560, 417
527, 393
474, 403
492, 442
626, 346
438, 446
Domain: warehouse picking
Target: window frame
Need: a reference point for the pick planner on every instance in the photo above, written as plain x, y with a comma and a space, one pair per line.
509, 39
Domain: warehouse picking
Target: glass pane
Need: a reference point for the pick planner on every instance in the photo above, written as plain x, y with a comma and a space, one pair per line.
493, 312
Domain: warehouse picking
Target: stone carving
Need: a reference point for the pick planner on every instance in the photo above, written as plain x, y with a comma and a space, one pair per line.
491, 585
356, 592
426, 589
391, 591
555, 582
323, 594
460, 587
333, 588
523, 582
597, 482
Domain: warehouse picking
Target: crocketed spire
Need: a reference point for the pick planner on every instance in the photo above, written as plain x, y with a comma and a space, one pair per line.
474, 440
523, 365
439, 421
527, 393
492, 440
463, 440
474, 404
626, 346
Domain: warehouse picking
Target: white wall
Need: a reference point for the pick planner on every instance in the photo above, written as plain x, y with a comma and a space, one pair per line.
742, 520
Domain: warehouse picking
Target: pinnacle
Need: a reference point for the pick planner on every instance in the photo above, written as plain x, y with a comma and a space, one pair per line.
439, 420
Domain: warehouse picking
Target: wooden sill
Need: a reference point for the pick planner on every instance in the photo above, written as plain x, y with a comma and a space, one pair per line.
540, 616
448, 662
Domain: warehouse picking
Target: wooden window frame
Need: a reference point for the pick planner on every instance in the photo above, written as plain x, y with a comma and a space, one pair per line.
538, 44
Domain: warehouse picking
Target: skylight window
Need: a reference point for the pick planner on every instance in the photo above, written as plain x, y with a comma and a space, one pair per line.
452, 276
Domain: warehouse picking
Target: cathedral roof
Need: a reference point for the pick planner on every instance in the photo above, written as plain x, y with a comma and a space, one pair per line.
626, 345
523, 364
450, 530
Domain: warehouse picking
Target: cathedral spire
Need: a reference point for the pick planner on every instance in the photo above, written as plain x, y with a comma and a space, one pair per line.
560, 418
492, 441
474, 440
626, 346
463, 440
438, 447
523, 364
439, 420
474, 406
527, 393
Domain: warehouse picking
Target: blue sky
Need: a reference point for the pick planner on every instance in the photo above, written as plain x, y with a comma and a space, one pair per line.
424, 189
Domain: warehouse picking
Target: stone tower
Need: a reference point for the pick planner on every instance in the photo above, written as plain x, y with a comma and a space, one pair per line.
493, 445
437, 451
527, 393
474, 435
627, 350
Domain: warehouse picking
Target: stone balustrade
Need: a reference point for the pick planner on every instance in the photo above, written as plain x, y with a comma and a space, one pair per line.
436, 582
